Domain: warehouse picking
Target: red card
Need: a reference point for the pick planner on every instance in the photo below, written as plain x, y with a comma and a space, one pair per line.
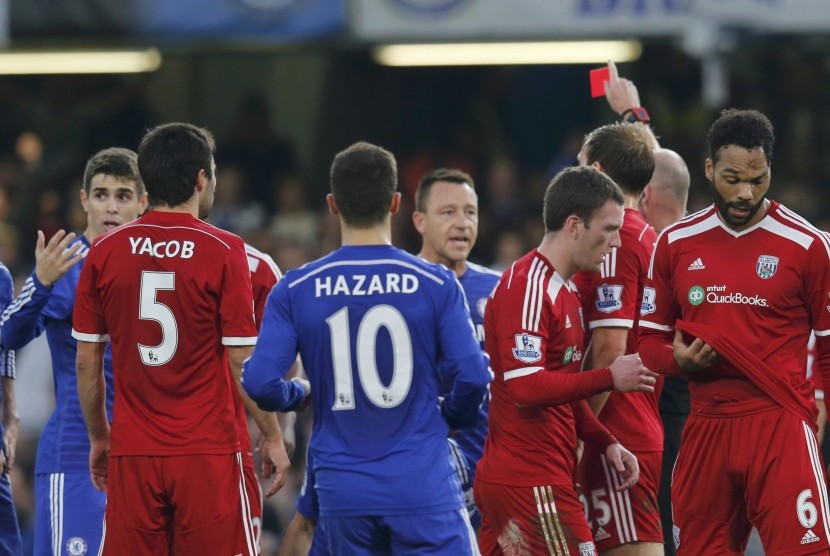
598, 78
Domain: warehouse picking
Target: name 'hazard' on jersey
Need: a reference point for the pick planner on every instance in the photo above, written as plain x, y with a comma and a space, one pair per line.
171, 292
372, 325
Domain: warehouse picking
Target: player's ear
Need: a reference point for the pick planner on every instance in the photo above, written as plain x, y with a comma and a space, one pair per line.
418, 221
598, 165
395, 206
572, 226
710, 170
332, 205
201, 181
84, 200
142, 204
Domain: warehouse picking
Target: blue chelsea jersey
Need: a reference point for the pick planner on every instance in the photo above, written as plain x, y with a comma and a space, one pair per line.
478, 283
64, 443
6, 355
379, 331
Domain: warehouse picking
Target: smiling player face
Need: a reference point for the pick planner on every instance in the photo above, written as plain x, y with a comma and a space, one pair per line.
449, 225
111, 202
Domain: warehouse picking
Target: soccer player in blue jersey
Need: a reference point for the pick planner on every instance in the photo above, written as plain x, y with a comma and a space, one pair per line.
69, 511
446, 216
10, 541
378, 331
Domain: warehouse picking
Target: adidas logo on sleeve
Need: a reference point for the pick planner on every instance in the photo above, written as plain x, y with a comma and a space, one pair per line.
697, 265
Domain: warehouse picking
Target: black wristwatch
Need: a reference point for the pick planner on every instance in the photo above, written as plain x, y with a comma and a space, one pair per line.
636, 114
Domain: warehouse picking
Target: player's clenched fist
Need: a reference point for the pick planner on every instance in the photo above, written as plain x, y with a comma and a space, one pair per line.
630, 375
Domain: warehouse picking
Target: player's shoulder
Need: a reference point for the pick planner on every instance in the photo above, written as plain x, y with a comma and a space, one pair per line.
531, 277
690, 226
482, 272
636, 231
259, 261
789, 225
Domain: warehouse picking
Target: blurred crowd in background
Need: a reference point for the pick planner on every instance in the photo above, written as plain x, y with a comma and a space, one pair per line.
511, 128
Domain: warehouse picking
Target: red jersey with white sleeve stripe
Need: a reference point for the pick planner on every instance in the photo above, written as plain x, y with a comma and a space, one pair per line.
612, 298
171, 292
534, 335
766, 287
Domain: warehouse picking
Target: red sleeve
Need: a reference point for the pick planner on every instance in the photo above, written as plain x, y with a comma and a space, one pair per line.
613, 294
658, 313
589, 429
553, 388
237, 306
817, 286
264, 277
88, 323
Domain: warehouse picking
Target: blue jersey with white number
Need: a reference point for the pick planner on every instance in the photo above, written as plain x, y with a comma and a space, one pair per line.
478, 282
379, 331
64, 443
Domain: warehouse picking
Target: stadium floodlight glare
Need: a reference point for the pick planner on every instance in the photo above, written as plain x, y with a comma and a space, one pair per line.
81, 61
507, 53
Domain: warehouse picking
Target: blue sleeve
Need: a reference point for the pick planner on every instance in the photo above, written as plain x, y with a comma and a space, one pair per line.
24, 319
7, 368
465, 365
275, 352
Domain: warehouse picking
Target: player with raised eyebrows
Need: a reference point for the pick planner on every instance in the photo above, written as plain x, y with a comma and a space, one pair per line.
69, 511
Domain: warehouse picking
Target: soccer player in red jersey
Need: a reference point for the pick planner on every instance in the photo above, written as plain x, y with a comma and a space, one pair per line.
524, 484
622, 522
733, 293
174, 296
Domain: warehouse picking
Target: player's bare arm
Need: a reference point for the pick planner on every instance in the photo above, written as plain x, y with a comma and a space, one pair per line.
626, 465
274, 454
11, 424
607, 343
92, 392
298, 536
630, 375
622, 95
54, 259
693, 357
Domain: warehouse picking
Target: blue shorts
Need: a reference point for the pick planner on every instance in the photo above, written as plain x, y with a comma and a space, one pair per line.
10, 542
69, 515
433, 534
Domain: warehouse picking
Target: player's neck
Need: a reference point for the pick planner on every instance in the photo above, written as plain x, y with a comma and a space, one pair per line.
430, 256
185, 208
376, 235
559, 254
630, 202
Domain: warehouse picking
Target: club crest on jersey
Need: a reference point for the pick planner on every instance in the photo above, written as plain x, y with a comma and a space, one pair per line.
528, 348
649, 304
76, 546
609, 298
766, 266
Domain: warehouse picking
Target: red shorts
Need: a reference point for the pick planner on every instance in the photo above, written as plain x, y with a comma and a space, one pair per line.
618, 518
254, 501
755, 467
534, 520
177, 505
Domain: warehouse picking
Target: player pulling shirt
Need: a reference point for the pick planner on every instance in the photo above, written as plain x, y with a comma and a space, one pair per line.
372, 324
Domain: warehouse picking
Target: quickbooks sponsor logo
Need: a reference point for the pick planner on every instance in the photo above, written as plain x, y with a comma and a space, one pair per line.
696, 295
718, 295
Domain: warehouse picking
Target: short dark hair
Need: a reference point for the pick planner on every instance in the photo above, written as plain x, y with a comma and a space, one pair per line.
626, 152
579, 191
364, 178
744, 128
119, 163
170, 157
440, 174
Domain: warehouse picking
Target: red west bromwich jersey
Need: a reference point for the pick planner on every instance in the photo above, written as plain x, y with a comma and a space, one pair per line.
532, 324
171, 292
264, 275
766, 288
612, 298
